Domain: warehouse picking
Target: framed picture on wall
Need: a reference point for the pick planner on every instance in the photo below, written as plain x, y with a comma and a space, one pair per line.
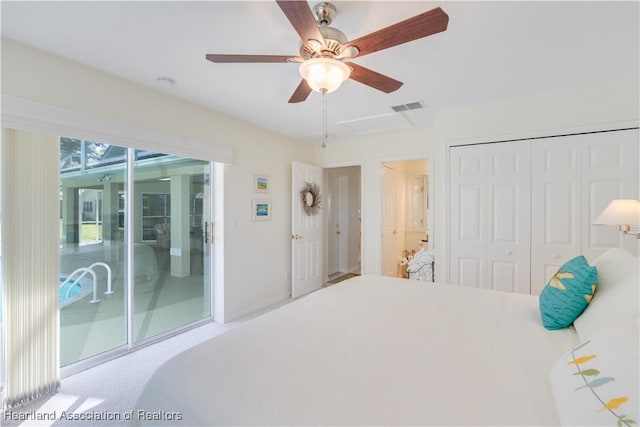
261, 183
261, 210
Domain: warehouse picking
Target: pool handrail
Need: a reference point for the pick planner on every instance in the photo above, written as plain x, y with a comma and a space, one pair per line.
84, 271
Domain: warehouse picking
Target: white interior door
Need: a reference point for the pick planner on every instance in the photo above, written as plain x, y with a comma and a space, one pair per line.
306, 233
342, 230
576, 177
509, 217
609, 172
490, 216
333, 210
468, 213
389, 222
555, 211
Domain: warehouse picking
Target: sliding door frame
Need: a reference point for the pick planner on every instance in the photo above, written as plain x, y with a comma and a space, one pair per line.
129, 239
131, 343
30, 116
212, 266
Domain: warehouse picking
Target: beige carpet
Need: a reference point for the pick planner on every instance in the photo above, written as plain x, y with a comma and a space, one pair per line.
113, 388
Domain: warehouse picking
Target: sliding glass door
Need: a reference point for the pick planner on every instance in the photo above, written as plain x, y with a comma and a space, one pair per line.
93, 285
135, 250
171, 275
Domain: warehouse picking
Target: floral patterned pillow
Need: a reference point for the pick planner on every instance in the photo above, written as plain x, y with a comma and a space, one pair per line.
597, 382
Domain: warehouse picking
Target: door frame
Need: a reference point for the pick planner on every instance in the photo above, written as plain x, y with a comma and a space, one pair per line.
332, 204
389, 242
343, 219
360, 164
429, 157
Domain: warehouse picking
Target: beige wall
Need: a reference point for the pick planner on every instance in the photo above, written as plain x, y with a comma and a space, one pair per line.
595, 108
371, 152
257, 254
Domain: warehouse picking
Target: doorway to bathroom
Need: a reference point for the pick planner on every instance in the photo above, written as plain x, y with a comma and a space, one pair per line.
407, 215
343, 222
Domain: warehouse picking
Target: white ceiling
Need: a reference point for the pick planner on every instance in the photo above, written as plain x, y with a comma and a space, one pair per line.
491, 51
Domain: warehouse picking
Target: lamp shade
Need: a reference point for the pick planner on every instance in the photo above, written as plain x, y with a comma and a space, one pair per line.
620, 212
324, 73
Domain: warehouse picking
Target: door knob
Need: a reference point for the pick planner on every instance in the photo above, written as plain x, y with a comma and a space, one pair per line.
338, 232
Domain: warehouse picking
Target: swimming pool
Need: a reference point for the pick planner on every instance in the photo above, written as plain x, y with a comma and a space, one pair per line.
84, 282
73, 290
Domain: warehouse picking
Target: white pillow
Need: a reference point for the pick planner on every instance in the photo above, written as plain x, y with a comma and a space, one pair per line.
597, 382
617, 296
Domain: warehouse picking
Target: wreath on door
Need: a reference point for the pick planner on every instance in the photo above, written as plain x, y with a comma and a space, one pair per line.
310, 198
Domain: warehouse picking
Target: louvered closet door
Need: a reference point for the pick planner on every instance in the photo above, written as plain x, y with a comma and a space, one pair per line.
490, 216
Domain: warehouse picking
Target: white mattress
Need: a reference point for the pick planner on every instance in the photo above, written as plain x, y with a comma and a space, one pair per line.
371, 351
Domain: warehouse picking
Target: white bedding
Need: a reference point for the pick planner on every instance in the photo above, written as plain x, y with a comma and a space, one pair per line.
371, 351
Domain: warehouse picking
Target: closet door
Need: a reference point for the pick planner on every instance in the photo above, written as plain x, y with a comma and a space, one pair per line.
468, 216
574, 179
509, 217
490, 219
609, 171
555, 208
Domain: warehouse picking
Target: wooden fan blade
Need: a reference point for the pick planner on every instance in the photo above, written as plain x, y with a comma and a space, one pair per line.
224, 58
423, 25
301, 93
374, 79
301, 18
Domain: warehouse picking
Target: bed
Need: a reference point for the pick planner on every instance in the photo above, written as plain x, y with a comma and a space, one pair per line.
381, 351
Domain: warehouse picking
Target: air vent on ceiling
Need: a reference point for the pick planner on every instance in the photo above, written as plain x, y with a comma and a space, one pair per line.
406, 107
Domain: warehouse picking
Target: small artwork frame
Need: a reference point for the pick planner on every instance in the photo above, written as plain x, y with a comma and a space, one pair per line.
261, 183
261, 210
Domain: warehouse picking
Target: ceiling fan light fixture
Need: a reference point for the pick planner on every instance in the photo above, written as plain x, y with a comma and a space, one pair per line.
314, 45
324, 74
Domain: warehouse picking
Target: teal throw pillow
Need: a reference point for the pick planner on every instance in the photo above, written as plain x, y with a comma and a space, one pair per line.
568, 293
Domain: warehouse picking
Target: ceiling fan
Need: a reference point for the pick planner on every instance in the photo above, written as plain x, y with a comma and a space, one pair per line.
324, 49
